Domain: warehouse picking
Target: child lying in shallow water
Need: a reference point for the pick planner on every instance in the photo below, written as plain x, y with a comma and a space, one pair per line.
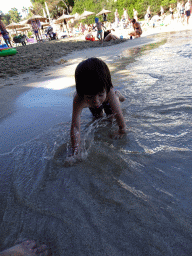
94, 90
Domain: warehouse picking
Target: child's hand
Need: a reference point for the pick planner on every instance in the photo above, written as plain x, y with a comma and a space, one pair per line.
118, 134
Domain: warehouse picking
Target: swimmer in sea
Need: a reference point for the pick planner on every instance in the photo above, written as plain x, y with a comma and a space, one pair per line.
94, 90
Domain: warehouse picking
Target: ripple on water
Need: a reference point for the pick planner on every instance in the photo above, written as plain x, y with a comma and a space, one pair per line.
126, 197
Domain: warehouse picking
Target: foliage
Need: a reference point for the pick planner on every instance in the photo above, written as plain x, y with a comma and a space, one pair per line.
6, 19
15, 15
29, 33
56, 7
140, 5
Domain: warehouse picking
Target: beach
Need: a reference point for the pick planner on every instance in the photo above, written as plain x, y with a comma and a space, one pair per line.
36, 65
125, 197
38, 56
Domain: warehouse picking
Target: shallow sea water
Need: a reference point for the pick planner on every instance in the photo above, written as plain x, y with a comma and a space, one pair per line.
125, 197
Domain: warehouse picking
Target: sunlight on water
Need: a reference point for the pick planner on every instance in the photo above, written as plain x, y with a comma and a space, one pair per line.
59, 83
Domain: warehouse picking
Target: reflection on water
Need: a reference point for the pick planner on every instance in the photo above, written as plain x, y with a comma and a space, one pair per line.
127, 197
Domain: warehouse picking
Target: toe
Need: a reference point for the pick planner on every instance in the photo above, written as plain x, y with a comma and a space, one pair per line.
30, 244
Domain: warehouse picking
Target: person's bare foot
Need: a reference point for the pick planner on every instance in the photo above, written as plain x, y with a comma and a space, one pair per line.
120, 96
27, 248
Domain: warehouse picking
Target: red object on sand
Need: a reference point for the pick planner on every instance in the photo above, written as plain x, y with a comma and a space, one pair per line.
90, 38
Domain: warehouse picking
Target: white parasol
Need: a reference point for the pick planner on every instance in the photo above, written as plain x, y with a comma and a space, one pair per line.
64, 17
23, 29
86, 14
45, 24
103, 12
14, 25
36, 17
77, 15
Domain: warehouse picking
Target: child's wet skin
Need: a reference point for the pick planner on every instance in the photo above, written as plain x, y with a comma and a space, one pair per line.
95, 101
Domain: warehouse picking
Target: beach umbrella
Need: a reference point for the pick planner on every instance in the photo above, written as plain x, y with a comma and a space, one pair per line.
64, 17
23, 29
14, 25
103, 12
23, 22
45, 24
36, 17
85, 14
77, 15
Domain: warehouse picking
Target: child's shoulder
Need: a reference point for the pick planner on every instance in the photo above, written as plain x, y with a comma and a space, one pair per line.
79, 101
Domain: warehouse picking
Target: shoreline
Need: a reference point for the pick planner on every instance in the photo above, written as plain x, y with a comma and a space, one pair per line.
42, 57
13, 87
49, 81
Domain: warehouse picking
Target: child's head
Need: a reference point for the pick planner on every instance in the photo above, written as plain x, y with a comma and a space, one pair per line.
92, 76
133, 21
96, 20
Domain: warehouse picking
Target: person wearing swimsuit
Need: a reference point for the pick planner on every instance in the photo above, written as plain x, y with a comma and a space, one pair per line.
137, 29
94, 89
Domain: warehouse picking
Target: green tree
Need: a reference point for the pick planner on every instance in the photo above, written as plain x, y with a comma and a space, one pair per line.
6, 19
56, 7
15, 15
97, 5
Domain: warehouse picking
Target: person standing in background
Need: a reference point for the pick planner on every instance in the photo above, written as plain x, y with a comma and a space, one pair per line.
135, 13
162, 11
39, 28
182, 11
99, 26
104, 17
35, 29
188, 10
116, 18
125, 14
5, 33
171, 11
148, 13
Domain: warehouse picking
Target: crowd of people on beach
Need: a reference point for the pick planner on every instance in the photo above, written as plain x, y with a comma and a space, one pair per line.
105, 29
180, 13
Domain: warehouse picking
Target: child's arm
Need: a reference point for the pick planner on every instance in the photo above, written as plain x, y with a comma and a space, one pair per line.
116, 108
75, 124
103, 25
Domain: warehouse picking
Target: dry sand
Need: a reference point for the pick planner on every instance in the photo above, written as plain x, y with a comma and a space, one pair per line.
35, 57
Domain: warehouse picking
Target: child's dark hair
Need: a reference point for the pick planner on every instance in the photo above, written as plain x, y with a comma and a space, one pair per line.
92, 76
